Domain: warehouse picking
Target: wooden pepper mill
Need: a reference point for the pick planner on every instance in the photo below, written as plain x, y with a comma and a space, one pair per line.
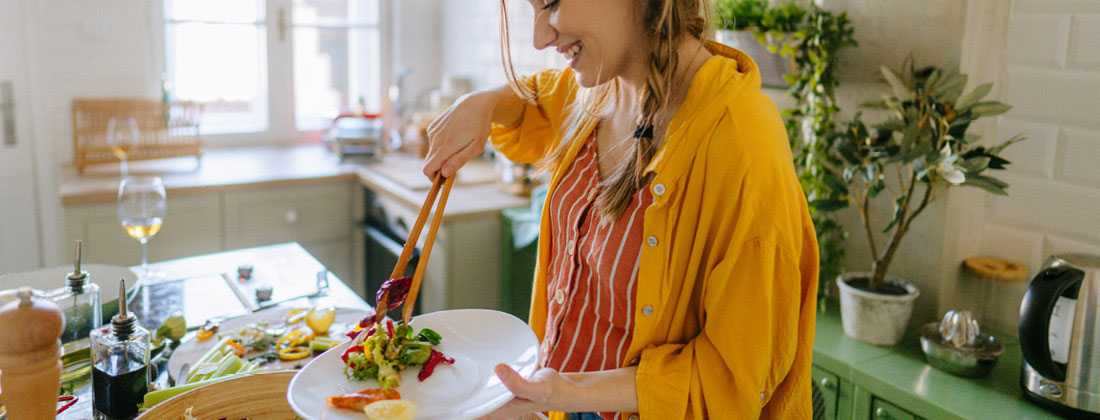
30, 358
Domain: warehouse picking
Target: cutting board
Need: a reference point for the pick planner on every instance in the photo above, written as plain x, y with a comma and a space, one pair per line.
407, 170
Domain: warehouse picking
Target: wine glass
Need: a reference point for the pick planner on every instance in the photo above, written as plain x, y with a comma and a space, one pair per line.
122, 136
142, 207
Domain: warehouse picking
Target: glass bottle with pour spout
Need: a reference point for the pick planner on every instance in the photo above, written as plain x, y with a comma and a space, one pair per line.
120, 365
79, 302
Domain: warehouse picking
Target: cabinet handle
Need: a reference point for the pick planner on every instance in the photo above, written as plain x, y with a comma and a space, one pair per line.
882, 414
828, 384
291, 217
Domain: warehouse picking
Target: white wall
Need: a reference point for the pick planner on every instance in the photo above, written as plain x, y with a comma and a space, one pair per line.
471, 43
94, 48
1047, 63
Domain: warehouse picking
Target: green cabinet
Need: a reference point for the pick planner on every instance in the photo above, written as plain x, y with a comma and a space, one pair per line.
865, 382
828, 384
883, 410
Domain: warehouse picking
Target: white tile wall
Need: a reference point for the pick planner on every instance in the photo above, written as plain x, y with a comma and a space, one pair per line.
96, 48
1052, 79
1084, 41
1053, 95
471, 41
1046, 48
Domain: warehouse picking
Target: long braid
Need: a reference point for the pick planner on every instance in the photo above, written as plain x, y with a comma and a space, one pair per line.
629, 177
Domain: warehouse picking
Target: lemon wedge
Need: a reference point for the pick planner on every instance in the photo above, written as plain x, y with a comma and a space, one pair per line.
320, 319
390, 410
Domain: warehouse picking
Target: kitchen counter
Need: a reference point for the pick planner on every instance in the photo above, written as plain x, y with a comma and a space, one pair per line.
899, 376
287, 262
396, 175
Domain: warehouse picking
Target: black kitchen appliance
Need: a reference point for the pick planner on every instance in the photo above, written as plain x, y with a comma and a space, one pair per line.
384, 238
1060, 336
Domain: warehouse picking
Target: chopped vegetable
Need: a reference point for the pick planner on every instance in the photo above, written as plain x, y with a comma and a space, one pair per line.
173, 328
383, 351
433, 360
238, 349
392, 293
321, 344
207, 331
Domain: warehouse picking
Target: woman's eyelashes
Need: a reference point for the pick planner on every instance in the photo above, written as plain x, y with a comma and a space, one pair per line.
549, 4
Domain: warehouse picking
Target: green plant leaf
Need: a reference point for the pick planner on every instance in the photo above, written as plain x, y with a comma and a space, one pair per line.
987, 183
973, 97
899, 87
996, 150
952, 88
989, 109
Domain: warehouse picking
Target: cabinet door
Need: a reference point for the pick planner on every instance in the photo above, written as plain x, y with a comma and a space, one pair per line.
883, 410
266, 216
828, 384
192, 227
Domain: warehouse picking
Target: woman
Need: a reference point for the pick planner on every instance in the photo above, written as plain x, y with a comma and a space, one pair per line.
677, 268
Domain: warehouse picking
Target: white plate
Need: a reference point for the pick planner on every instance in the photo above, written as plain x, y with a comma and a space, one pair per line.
478, 339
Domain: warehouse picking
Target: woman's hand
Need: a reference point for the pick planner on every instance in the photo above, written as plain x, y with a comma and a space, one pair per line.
459, 134
538, 393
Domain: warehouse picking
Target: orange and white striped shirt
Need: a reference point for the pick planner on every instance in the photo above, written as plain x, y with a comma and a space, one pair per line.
592, 272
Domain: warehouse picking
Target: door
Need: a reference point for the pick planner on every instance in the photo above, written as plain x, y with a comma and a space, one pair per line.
20, 248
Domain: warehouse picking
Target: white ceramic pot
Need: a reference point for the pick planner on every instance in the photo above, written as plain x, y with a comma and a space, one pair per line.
873, 317
772, 66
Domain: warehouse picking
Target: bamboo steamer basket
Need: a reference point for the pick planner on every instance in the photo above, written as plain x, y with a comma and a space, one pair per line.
256, 397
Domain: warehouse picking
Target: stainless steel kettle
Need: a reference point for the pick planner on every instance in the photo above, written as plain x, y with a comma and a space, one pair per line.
1060, 336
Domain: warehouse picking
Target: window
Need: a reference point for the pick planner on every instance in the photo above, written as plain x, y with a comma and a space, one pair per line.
266, 74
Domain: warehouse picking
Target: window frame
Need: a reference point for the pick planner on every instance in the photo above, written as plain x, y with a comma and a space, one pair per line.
281, 128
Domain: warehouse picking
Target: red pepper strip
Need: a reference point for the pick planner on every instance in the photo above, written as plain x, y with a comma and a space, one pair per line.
71, 399
429, 367
348, 352
353, 334
389, 328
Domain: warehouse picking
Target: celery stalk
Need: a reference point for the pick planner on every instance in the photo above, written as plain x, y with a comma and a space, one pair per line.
157, 397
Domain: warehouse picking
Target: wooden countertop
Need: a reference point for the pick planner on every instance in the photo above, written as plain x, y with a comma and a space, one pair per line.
475, 193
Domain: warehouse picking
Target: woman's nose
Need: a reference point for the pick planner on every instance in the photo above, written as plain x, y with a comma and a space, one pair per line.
545, 34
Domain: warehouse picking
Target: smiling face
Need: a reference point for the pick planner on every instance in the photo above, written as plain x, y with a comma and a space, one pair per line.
601, 39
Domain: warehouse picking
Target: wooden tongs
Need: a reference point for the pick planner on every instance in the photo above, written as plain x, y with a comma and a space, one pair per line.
410, 244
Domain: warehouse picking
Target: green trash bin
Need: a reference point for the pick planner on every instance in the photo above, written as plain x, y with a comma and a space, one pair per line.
519, 244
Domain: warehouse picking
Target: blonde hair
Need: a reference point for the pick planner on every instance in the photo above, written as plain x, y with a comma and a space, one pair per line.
667, 22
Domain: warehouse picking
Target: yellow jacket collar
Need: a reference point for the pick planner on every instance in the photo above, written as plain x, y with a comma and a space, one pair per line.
718, 82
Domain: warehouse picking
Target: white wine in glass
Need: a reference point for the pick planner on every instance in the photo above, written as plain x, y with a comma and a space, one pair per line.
122, 137
142, 207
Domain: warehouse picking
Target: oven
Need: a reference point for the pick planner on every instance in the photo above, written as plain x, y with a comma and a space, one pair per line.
384, 233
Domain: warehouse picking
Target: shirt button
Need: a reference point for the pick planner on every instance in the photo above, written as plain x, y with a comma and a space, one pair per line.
652, 241
592, 194
633, 417
761, 396
647, 310
634, 362
559, 296
659, 189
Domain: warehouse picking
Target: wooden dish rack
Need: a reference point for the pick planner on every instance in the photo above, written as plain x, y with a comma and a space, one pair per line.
167, 129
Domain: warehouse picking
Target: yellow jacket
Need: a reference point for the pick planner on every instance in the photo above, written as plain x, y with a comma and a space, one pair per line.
724, 313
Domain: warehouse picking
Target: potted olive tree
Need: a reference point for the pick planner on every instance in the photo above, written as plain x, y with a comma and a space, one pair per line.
761, 31
915, 155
